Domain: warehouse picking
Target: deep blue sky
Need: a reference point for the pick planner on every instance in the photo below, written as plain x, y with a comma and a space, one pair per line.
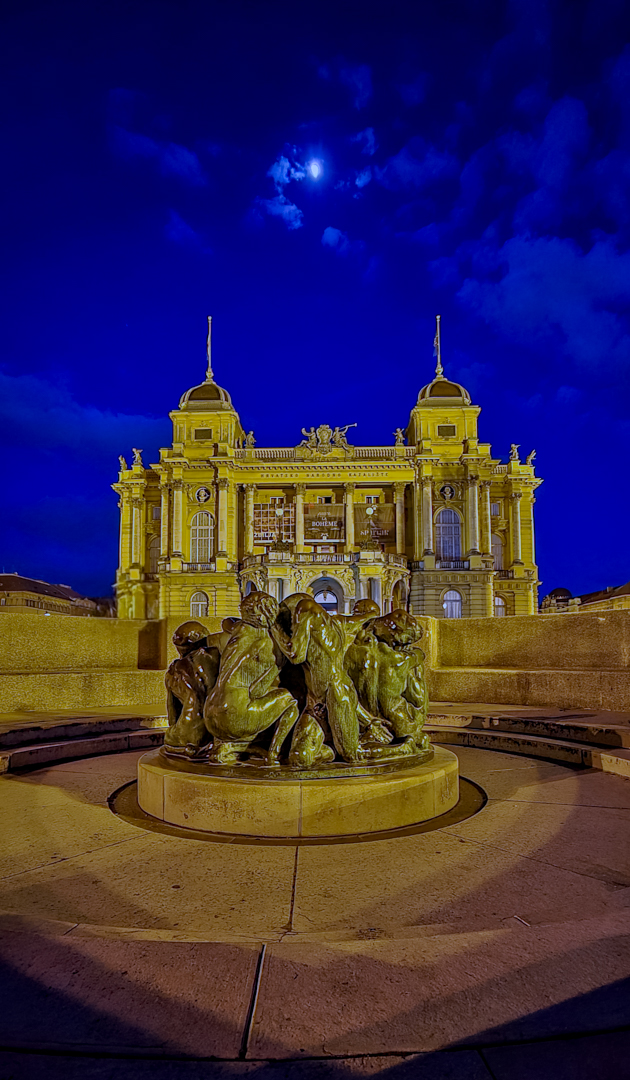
475, 160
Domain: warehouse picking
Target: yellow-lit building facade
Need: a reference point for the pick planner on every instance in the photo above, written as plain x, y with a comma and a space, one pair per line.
432, 522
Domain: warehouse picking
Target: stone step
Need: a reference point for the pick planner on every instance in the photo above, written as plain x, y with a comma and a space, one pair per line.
47, 753
26, 731
575, 730
615, 761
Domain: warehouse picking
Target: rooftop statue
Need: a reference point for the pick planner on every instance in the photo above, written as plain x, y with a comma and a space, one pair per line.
137, 456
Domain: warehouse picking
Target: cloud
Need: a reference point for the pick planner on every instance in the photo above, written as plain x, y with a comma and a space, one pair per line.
341, 243
417, 165
363, 177
283, 171
180, 232
357, 77
368, 140
283, 208
34, 412
170, 158
550, 292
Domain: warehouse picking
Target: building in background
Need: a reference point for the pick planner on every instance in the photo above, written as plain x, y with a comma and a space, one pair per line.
433, 522
26, 594
561, 600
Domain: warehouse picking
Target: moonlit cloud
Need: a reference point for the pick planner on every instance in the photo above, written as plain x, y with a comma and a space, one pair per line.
341, 243
367, 139
283, 208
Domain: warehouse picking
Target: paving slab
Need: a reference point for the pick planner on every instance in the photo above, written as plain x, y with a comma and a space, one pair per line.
461, 1065
594, 1057
66, 994
437, 879
423, 995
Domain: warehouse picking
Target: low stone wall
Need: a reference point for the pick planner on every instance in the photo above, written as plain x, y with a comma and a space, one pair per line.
592, 642
61, 662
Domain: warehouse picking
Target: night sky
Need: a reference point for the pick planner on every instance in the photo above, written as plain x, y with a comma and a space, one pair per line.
472, 159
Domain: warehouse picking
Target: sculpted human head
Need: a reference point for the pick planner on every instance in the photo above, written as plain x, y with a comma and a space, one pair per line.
367, 608
259, 609
395, 629
189, 636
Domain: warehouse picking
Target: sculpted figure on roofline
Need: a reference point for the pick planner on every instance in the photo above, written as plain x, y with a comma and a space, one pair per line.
293, 687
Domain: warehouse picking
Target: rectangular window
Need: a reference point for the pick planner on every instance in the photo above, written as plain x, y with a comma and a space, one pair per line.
495, 509
156, 513
372, 500
446, 431
270, 526
324, 499
277, 500
203, 433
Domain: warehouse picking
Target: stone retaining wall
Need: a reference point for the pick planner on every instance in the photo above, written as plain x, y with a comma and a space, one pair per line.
61, 662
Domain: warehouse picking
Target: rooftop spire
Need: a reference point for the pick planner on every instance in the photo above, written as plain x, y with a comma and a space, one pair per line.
437, 349
209, 375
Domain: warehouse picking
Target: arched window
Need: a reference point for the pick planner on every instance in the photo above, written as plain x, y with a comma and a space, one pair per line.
499, 607
448, 530
452, 604
199, 605
202, 537
328, 600
154, 554
497, 551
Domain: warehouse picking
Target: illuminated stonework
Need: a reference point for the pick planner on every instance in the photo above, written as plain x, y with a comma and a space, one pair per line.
437, 525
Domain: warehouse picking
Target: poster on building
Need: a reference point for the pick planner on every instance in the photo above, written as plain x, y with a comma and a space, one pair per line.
323, 522
376, 523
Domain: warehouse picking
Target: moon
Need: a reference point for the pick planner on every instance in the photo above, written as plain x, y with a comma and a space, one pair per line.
315, 169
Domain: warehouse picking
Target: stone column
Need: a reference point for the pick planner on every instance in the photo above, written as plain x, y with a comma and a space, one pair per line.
250, 494
375, 590
136, 531
125, 531
399, 493
516, 527
417, 522
349, 494
300, 490
178, 516
427, 515
486, 529
528, 514
164, 509
223, 485
473, 515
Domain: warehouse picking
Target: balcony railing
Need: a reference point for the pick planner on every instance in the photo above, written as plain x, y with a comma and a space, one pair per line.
504, 574
323, 557
452, 564
198, 566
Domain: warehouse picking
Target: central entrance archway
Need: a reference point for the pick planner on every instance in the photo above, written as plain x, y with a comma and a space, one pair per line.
329, 594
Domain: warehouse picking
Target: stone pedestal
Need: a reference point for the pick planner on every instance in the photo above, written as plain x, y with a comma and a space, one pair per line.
371, 799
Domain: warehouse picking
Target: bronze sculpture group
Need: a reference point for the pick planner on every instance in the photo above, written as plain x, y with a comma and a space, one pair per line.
291, 686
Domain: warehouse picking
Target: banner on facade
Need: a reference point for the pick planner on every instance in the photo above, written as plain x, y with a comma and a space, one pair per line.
323, 522
376, 522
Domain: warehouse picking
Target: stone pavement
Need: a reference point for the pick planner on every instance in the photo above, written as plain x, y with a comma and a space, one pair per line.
497, 947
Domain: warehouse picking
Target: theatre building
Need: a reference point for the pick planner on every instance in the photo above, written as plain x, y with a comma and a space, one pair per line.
433, 523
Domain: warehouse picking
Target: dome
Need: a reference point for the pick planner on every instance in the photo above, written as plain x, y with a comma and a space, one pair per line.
207, 395
443, 392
